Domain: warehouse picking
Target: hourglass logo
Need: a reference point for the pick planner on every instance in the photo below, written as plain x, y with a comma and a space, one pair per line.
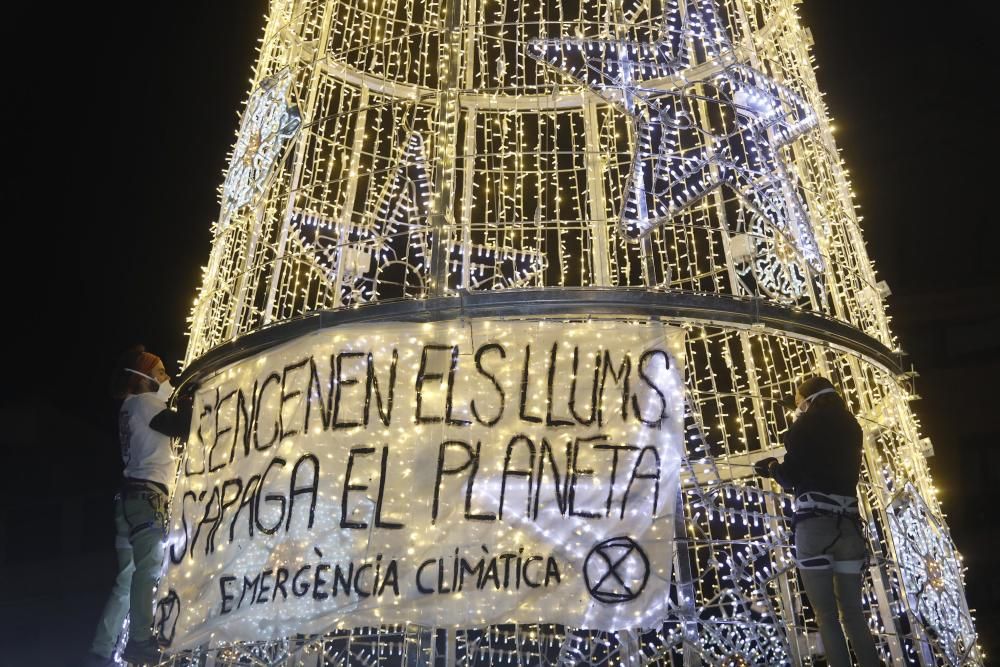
616, 570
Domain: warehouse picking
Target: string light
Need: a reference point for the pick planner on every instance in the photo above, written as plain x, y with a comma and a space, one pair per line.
397, 150
747, 118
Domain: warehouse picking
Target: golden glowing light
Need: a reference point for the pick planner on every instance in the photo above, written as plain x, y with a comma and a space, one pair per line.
426, 152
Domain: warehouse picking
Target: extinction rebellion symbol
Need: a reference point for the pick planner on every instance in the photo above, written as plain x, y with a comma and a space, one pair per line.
168, 610
616, 570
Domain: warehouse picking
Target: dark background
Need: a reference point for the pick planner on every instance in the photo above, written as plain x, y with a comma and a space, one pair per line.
117, 123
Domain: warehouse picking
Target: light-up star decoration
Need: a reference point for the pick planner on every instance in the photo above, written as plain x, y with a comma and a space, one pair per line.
387, 255
268, 123
932, 576
698, 127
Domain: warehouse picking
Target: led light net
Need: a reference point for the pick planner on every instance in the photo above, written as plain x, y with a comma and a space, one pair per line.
393, 149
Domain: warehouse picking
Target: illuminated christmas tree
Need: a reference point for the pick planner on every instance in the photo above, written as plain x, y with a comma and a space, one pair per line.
502, 303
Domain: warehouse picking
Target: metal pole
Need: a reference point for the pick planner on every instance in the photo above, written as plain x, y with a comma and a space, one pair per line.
442, 216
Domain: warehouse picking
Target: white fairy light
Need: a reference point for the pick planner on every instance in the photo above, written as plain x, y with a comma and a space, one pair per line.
401, 150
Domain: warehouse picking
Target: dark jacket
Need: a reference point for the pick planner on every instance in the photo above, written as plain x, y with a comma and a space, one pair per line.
823, 452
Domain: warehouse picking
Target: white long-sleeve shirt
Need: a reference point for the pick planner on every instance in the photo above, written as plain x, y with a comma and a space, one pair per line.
146, 453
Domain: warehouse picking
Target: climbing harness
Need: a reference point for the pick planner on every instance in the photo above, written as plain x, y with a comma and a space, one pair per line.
813, 504
155, 495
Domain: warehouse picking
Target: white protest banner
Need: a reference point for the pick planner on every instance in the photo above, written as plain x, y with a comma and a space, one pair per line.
460, 473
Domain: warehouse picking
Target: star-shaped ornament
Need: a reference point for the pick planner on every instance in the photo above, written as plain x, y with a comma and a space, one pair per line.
746, 118
387, 255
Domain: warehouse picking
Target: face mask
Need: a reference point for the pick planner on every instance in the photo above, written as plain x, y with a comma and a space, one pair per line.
165, 391
799, 411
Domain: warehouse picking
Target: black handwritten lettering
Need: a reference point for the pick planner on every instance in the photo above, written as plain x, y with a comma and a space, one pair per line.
226, 503
391, 579
226, 596
249, 585
653, 475
465, 569
549, 419
348, 487
624, 369
265, 587
319, 582
342, 579
585, 421
560, 489
249, 494
196, 450
420, 570
245, 415
525, 472
341, 383
527, 580
615, 449
287, 396
469, 488
490, 347
379, 523
358, 590
650, 382
312, 489
422, 377
442, 470
271, 497
385, 414
551, 571
449, 394
576, 472
525, 385
177, 555
220, 431
279, 583
274, 379
211, 517
300, 588
315, 393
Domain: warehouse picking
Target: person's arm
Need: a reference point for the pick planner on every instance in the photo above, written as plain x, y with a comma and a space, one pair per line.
174, 424
788, 473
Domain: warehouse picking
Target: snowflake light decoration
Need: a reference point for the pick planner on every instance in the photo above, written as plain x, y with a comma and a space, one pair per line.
932, 576
268, 123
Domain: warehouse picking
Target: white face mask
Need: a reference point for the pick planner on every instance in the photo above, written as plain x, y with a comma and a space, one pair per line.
165, 391
799, 411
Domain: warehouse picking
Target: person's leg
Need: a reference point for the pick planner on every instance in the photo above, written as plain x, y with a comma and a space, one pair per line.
850, 558
847, 586
147, 549
116, 608
819, 588
812, 538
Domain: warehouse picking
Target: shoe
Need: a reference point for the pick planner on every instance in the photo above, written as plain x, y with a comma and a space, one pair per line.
95, 660
145, 652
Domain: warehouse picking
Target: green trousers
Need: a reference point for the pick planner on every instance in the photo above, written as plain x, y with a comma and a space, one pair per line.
140, 527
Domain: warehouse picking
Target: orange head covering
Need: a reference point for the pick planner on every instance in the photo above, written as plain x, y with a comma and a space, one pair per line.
146, 363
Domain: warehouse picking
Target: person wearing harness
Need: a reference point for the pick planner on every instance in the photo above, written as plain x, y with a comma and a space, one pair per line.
822, 465
145, 427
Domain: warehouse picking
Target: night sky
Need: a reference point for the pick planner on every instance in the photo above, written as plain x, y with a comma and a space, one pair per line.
117, 123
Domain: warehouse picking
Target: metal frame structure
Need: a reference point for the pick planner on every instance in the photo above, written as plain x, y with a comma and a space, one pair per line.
450, 159
693, 309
